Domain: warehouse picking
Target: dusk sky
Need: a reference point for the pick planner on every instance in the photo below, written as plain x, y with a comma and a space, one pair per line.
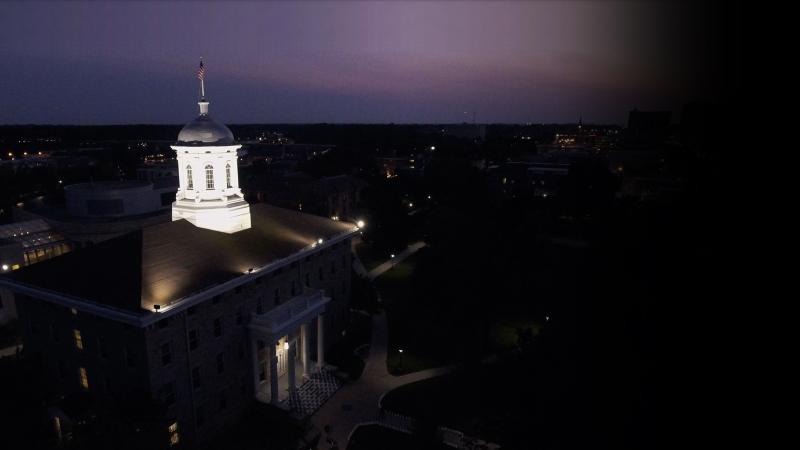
337, 61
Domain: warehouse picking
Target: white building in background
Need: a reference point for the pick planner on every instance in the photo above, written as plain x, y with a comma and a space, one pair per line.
208, 194
204, 316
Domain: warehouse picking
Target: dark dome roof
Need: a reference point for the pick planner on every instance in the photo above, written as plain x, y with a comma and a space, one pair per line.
205, 131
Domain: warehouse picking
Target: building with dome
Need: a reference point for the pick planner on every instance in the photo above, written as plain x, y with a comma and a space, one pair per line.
226, 305
208, 194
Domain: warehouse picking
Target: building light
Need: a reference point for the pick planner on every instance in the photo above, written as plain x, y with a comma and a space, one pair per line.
392, 255
174, 436
360, 224
433, 147
5, 267
410, 205
401, 350
286, 345
319, 241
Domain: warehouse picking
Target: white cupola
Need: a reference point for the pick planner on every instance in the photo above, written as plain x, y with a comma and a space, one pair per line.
208, 194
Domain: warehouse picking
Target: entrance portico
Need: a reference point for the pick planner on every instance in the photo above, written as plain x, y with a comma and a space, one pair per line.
279, 342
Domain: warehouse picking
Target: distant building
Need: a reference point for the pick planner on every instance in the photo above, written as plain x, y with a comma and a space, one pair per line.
97, 211
226, 305
23, 244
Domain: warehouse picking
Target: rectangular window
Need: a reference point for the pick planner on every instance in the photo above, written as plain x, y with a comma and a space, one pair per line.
196, 381
209, 178
220, 363
78, 339
321, 274
166, 354
168, 394
277, 295
191, 310
53, 332
333, 267
217, 327
193, 340
163, 323
239, 319
216, 299
308, 279
130, 358
84, 378
174, 436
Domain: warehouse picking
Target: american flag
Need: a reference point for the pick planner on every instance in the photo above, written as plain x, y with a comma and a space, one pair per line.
201, 72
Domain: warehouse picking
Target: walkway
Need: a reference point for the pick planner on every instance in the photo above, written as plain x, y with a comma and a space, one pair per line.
391, 262
358, 402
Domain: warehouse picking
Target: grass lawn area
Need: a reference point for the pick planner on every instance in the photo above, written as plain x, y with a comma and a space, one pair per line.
421, 336
368, 256
509, 402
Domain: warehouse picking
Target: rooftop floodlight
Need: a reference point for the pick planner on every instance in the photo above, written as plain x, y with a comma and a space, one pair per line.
250, 270
156, 307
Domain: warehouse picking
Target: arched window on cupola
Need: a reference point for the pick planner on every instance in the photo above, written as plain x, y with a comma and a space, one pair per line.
209, 177
228, 174
189, 182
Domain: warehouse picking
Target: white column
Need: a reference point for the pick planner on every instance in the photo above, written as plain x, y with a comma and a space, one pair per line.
320, 342
304, 348
273, 373
290, 359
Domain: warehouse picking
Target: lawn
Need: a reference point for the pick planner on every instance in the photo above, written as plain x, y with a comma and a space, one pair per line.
369, 256
509, 403
421, 334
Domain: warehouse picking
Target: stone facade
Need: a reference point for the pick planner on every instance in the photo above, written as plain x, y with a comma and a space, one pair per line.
197, 360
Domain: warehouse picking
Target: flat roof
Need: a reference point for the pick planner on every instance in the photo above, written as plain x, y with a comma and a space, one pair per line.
169, 261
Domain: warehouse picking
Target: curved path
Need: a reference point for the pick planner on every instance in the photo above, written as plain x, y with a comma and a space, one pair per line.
358, 401
391, 262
